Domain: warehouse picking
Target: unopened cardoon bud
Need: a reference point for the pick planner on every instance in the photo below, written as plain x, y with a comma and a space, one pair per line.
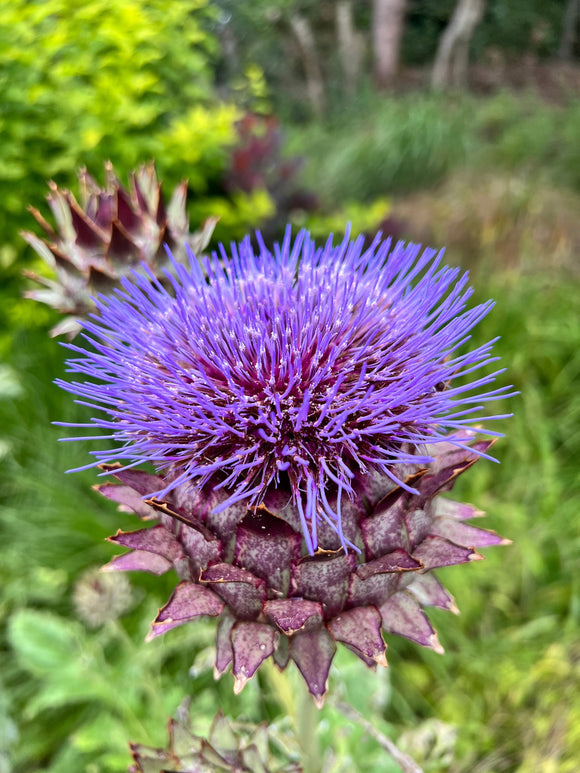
304, 409
228, 747
99, 598
103, 236
432, 743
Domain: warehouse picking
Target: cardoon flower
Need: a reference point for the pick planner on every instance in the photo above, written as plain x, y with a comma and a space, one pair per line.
303, 409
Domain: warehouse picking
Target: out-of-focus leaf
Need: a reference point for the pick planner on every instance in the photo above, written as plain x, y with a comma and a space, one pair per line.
43, 643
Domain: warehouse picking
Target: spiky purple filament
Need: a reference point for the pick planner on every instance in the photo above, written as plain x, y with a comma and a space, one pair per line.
303, 366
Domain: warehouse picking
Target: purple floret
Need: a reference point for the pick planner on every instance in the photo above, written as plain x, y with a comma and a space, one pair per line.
301, 369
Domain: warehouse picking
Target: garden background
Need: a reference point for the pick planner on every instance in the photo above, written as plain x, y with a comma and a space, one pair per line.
281, 111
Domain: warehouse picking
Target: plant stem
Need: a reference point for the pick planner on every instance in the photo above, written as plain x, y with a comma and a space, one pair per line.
306, 723
405, 762
299, 705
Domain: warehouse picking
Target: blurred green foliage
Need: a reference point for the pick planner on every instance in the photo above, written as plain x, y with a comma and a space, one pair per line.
132, 79
384, 146
125, 80
80, 85
362, 216
388, 145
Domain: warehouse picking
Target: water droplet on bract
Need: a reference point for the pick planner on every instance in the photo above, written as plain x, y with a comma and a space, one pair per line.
262, 646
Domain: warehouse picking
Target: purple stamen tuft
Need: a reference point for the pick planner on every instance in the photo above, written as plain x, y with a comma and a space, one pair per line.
299, 368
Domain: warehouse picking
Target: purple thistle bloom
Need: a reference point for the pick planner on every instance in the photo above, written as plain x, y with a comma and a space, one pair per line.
304, 369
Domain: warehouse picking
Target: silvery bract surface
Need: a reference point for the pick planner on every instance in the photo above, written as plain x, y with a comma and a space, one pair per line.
103, 237
227, 748
304, 408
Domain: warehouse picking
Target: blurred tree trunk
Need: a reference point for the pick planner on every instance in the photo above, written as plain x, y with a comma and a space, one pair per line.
452, 57
569, 27
349, 44
230, 50
387, 32
314, 84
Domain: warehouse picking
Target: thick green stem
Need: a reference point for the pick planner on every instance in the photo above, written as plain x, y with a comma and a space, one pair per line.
299, 705
306, 723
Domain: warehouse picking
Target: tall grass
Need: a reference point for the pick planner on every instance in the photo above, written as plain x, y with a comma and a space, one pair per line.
384, 146
395, 145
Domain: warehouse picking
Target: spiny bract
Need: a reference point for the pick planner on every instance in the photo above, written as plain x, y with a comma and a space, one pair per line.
227, 748
300, 411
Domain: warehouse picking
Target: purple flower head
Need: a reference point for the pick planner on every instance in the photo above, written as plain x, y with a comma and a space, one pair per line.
300, 368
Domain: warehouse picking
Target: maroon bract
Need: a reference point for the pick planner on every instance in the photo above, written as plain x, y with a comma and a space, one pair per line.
251, 568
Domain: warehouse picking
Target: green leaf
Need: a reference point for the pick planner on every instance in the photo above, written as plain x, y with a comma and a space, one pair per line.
43, 642
104, 732
64, 689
